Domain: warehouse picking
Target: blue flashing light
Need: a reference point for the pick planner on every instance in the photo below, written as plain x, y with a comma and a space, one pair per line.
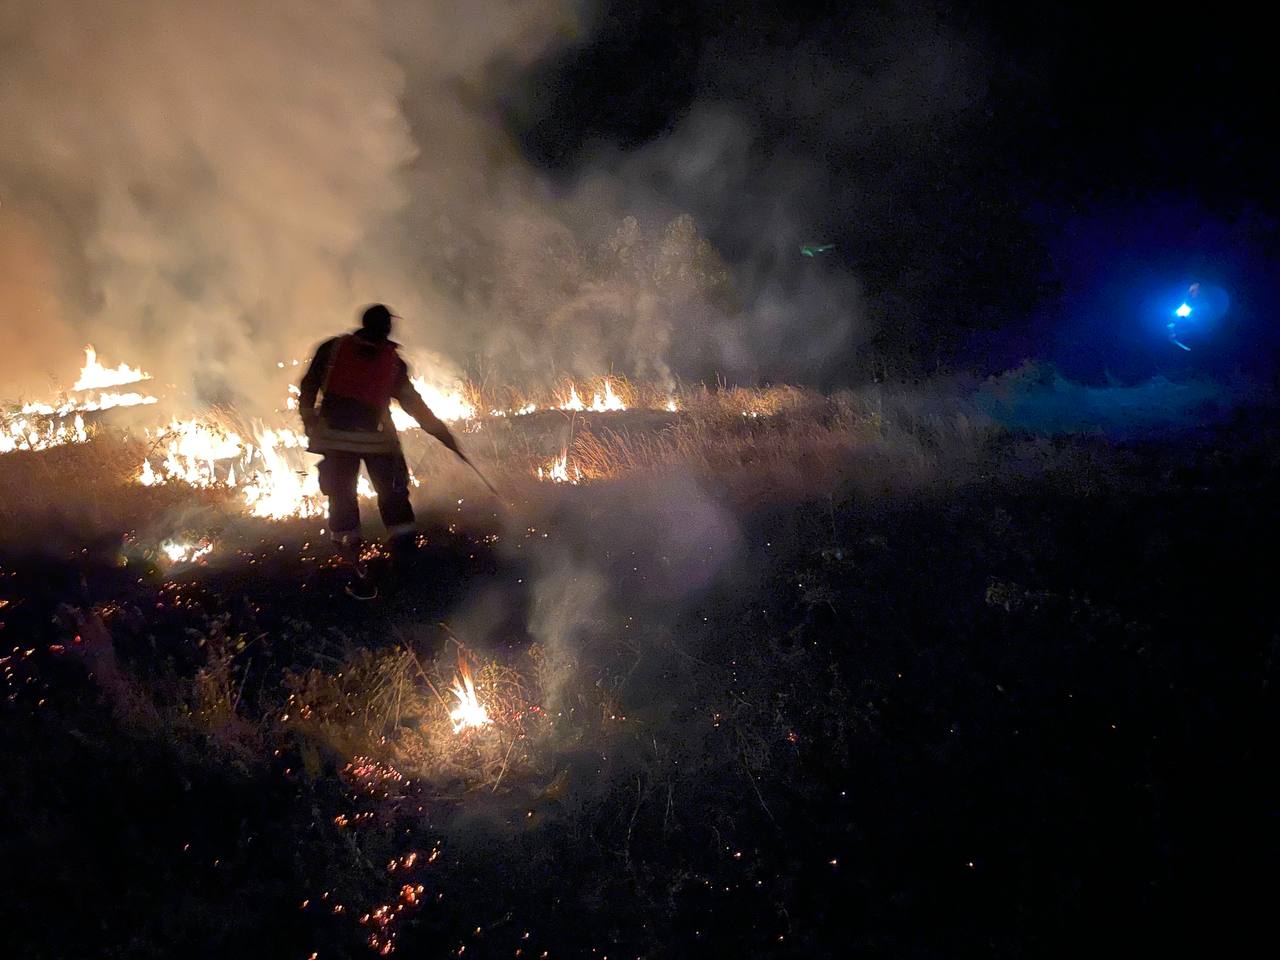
1183, 311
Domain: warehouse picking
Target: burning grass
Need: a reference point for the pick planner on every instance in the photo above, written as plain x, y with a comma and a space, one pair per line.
440, 721
21, 432
578, 432
784, 440
859, 696
794, 440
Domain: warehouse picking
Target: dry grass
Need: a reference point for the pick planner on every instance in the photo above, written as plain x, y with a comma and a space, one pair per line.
395, 707
86, 489
790, 442
780, 440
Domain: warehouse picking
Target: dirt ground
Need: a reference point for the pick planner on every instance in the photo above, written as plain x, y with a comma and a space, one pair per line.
999, 694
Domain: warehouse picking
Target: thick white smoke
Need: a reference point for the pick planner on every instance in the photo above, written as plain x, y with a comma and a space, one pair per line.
196, 181
205, 189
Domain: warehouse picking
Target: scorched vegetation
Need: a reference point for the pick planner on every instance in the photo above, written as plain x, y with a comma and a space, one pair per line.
767, 673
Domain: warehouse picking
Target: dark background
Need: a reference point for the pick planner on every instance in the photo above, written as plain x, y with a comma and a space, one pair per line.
1104, 152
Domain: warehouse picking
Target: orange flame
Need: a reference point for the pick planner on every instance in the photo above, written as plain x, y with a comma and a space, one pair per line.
560, 471
94, 376
469, 712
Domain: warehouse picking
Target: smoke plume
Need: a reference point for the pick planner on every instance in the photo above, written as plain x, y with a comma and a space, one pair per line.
207, 189
202, 176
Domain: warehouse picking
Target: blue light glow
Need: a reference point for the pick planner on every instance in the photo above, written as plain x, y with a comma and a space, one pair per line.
1183, 311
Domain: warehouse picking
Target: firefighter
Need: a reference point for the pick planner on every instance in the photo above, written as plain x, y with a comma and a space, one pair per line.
356, 376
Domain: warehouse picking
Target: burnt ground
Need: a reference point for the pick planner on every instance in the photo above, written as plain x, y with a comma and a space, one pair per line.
1024, 712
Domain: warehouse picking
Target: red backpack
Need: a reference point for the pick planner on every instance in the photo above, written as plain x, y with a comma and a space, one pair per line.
363, 371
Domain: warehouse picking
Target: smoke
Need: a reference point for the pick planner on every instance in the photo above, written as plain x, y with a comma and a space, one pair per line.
208, 173
679, 253
208, 190
205, 190
34, 336
832, 135
640, 556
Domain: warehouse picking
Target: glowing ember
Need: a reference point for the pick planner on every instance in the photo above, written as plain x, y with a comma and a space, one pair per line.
373, 778
469, 712
94, 376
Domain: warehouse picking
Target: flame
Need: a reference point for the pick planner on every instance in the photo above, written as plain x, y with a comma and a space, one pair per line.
19, 433
447, 403
273, 472
559, 471
104, 401
178, 552
469, 712
271, 469
282, 486
572, 401
603, 403
604, 400
193, 449
94, 376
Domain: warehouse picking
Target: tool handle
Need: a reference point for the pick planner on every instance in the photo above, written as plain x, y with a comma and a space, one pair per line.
483, 478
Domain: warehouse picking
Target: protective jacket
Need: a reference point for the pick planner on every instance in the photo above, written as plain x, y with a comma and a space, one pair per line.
356, 377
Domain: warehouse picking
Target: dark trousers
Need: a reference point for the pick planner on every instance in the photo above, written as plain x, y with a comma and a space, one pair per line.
389, 474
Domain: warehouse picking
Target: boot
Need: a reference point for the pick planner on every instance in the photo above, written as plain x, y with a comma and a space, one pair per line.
361, 586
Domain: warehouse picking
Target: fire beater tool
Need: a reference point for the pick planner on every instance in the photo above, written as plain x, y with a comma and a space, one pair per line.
483, 478
467, 460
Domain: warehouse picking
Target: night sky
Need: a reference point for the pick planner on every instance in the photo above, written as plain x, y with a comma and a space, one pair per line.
1091, 151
